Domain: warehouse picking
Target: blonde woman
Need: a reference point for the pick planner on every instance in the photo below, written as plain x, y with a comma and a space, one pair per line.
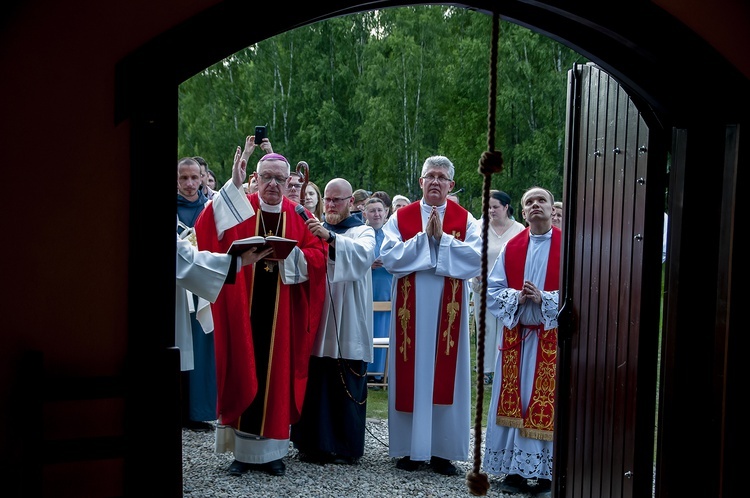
557, 214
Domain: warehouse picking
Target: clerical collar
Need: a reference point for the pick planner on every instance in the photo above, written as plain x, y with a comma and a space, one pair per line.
349, 222
426, 208
270, 208
544, 235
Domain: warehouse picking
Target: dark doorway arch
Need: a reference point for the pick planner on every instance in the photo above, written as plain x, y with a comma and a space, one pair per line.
649, 53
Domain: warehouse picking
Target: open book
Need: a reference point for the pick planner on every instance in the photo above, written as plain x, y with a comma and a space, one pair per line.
281, 246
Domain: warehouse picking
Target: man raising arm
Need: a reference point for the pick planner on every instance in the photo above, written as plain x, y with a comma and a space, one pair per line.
265, 324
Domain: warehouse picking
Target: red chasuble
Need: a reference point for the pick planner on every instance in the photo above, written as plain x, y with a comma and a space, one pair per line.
297, 312
409, 225
538, 421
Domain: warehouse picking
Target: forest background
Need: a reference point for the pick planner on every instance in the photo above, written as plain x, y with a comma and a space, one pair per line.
368, 97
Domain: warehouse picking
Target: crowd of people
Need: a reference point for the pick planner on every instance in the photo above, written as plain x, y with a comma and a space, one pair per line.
278, 352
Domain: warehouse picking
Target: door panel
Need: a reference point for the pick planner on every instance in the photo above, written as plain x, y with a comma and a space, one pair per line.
606, 369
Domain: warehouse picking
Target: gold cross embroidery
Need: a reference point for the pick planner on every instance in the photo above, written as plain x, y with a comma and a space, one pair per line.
404, 315
452, 308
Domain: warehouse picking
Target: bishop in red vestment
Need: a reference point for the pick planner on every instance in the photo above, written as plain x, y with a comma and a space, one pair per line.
265, 325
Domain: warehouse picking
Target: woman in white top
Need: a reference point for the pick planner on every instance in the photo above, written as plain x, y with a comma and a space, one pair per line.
502, 228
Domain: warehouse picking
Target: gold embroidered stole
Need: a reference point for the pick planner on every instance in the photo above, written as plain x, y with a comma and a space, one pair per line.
538, 421
410, 224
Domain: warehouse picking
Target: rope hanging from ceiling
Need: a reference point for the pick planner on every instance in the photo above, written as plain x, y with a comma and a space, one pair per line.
490, 162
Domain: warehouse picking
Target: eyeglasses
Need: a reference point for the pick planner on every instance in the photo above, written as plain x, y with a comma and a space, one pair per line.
335, 200
294, 186
280, 180
440, 179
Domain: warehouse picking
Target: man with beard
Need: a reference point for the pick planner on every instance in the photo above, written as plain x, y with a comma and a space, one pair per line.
432, 247
198, 377
332, 426
265, 323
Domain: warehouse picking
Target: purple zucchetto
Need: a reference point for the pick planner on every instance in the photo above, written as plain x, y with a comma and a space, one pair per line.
273, 157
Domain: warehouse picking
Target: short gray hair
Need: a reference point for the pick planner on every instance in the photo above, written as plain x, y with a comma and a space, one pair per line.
441, 162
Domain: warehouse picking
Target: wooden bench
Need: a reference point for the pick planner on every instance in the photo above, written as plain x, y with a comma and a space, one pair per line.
380, 343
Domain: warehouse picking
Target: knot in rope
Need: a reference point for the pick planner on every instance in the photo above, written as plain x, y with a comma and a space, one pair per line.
478, 483
491, 162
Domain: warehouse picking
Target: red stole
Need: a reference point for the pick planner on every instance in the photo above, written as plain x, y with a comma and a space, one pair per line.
410, 224
538, 422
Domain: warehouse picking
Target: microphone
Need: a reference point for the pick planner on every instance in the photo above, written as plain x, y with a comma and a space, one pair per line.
301, 211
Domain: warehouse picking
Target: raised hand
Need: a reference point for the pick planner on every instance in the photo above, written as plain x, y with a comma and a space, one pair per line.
265, 145
249, 147
239, 168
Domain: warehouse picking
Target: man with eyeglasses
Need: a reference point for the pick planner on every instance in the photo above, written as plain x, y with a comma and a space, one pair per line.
331, 429
265, 323
293, 188
432, 248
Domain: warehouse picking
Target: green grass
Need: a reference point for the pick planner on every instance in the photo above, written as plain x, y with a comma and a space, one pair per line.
377, 399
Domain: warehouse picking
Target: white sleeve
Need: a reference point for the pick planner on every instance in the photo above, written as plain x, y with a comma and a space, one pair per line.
231, 207
201, 272
293, 269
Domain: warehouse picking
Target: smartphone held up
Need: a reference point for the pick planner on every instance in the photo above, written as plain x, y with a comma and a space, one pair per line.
260, 134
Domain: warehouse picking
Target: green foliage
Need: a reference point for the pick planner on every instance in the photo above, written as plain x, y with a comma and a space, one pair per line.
369, 96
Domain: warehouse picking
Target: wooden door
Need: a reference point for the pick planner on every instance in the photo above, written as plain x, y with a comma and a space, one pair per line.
610, 293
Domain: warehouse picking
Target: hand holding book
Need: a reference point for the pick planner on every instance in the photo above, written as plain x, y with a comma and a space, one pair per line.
280, 245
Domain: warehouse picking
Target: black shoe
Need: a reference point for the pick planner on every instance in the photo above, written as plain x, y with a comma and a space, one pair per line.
443, 466
406, 463
542, 494
238, 468
316, 458
344, 460
275, 468
538, 487
513, 483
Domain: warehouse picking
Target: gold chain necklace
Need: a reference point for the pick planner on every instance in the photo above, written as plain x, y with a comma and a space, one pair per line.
269, 233
270, 265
